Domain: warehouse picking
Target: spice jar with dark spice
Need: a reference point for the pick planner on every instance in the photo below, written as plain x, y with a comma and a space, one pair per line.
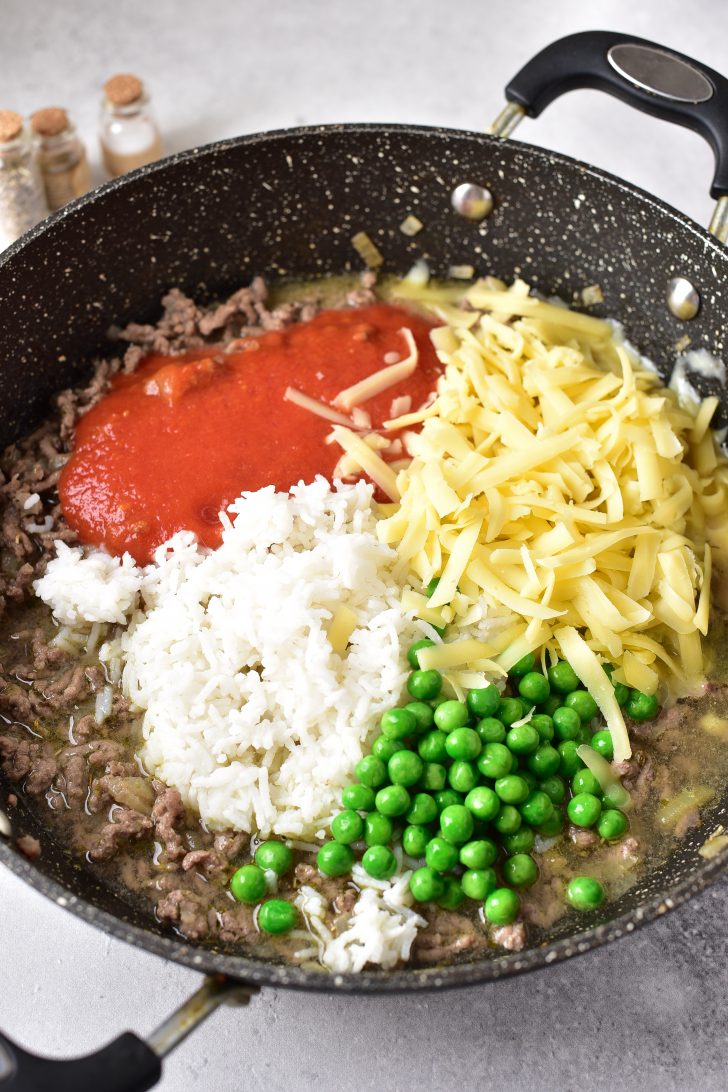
22, 203
129, 135
60, 155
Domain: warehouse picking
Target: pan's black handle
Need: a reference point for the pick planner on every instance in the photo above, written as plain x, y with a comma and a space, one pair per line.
126, 1065
653, 78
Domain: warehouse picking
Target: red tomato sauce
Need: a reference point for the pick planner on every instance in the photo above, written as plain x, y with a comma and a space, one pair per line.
171, 445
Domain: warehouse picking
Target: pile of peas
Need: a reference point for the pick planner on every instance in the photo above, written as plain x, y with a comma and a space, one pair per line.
465, 788
248, 884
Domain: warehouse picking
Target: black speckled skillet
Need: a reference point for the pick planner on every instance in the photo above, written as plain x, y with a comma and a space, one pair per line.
288, 203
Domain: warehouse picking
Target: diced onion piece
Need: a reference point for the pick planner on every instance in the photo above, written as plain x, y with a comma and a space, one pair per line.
381, 380
314, 406
461, 272
714, 845
367, 250
341, 627
411, 225
381, 474
592, 674
671, 811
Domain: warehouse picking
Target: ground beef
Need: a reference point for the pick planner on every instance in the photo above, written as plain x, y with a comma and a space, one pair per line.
126, 825
331, 887
187, 911
447, 935
511, 937
238, 924
29, 846
28, 760
168, 817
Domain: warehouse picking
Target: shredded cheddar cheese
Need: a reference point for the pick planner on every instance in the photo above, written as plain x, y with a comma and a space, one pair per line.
556, 478
383, 379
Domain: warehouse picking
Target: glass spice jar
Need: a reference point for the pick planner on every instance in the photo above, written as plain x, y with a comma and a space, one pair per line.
22, 203
60, 155
129, 135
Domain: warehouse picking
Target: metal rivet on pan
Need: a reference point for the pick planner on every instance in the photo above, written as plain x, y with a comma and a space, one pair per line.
472, 201
683, 298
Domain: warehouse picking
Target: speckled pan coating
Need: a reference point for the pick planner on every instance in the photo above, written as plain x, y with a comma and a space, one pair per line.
287, 204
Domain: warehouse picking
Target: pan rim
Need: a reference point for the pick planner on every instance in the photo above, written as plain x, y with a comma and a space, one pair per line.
277, 975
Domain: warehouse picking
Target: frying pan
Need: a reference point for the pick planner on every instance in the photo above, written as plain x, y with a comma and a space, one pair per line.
287, 204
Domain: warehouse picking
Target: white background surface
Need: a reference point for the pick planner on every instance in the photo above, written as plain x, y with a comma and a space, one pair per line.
645, 1013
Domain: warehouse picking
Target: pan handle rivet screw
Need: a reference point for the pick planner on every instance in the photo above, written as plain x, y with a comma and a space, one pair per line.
683, 299
472, 201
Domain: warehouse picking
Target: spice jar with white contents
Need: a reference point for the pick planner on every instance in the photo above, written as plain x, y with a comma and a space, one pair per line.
60, 155
129, 135
22, 203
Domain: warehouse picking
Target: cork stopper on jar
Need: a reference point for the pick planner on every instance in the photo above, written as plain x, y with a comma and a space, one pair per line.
11, 125
123, 89
49, 122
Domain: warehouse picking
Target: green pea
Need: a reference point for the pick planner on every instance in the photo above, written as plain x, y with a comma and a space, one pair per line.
423, 809
584, 809
622, 693
554, 787
522, 841
463, 776
247, 884
405, 768
478, 854
582, 703
585, 781
426, 885
512, 789
277, 916
423, 714
414, 649
276, 857
448, 798
508, 820
378, 830
358, 797
440, 854
347, 827
490, 730
612, 825
642, 706
537, 809
456, 824
509, 710
379, 862
384, 748
334, 859
523, 666
430, 589
502, 906
453, 896
552, 826
584, 893
414, 840
549, 707
397, 724
523, 740
463, 743
545, 761
570, 761
424, 685
371, 771
432, 748
451, 715
566, 723
563, 678
483, 702
534, 687
494, 761
584, 734
434, 777
544, 725
483, 802
603, 744
392, 800
478, 883
520, 870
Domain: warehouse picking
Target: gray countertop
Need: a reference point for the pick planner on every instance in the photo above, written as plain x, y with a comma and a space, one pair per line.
648, 1012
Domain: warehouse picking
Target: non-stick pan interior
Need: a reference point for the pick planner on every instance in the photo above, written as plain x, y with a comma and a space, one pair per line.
287, 205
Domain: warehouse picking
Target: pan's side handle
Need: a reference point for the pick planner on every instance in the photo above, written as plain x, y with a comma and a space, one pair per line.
128, 1064
650, 77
